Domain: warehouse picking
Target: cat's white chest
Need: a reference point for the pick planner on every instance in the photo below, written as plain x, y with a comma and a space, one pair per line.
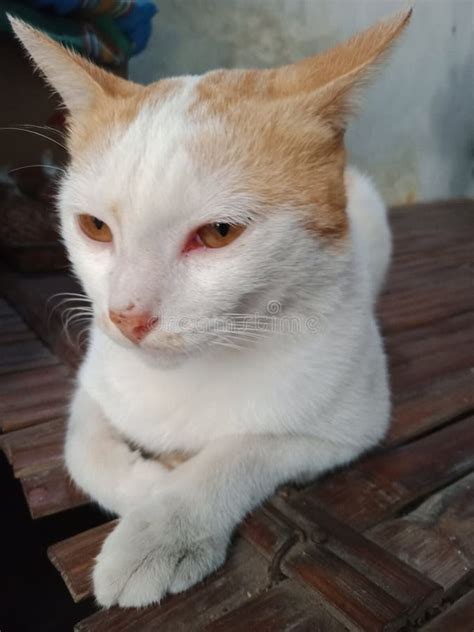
166, 410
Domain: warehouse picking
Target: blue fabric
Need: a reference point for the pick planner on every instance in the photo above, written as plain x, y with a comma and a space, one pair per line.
133, 17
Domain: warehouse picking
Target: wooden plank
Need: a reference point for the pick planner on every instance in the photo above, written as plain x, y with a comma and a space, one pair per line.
74, 558
244, 575
38, 392
424, 408
35, 405
437, 538
382, 484
271, 535
428, 353
457, 618
13, 329
409, 588
36, 448
36, 416
354, 600
31, 296
19, 384
25, 354
282, 608
51, 491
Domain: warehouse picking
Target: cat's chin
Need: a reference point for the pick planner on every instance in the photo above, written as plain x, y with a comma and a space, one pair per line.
164, 357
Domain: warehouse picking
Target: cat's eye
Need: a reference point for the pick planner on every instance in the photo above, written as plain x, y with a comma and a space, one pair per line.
219, 234
94, 228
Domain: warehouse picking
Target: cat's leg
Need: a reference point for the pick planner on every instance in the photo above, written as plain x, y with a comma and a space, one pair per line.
181, 535
102, 463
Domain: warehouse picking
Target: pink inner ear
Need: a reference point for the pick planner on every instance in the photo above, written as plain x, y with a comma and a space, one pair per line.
193, 243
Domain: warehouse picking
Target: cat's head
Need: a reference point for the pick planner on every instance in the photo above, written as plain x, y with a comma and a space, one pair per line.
200, 199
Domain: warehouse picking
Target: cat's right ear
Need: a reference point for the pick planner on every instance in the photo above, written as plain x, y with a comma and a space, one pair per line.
79, 83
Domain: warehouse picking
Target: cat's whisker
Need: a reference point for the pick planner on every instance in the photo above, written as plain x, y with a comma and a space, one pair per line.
31, 131
46, 167
48, 128
68, 297
63, 312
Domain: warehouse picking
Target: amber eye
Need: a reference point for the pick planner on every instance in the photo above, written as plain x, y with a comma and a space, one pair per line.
95, 228
219, 234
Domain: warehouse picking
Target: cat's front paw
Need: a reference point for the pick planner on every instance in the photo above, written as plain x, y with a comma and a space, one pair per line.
151, 553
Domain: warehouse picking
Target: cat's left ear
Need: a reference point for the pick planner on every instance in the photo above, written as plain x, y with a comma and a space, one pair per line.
325, 84
79, 83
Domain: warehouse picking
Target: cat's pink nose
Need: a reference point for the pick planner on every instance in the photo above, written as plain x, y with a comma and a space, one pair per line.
134, 326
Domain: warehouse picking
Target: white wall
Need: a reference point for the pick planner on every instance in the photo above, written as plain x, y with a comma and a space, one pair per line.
415, 132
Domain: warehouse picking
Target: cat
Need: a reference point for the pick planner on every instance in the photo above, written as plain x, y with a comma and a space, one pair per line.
202, 214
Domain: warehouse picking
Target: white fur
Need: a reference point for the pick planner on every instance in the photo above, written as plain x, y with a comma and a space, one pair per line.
284, 407
257, 408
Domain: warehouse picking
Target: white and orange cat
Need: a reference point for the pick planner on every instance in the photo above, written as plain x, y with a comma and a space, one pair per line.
190, 209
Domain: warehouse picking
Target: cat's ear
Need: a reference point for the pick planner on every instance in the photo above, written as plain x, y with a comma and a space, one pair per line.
78, 82
328, 82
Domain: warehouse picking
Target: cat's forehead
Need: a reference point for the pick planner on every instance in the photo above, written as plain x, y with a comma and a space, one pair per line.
207, 143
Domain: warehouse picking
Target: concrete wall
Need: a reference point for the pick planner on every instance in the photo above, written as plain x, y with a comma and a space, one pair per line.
415, 132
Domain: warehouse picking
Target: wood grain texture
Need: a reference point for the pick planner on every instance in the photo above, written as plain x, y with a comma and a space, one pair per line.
51, 491
31, 295
352, 597
437, 538
382, 484
421, 409
24, 354
457, 618
282, 608
34, 449
410, 589
74, 558
19, 384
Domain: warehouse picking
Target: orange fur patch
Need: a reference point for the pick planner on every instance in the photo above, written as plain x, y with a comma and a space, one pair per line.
115, 109
286, 159
285, 126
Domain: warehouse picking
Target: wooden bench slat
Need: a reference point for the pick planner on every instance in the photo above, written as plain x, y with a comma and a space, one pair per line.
282, 608
426, 407
50, 491
38, 393
457, 618
31, 293
436, 357
35, 416
26, 354
382, 484
413, 592
13, 329
416, 307
271, 535
16, 384
74, 558
36, 448
45, 398
353, 598
438, 537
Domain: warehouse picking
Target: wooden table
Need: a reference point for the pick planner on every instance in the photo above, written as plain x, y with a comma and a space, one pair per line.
386, 544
